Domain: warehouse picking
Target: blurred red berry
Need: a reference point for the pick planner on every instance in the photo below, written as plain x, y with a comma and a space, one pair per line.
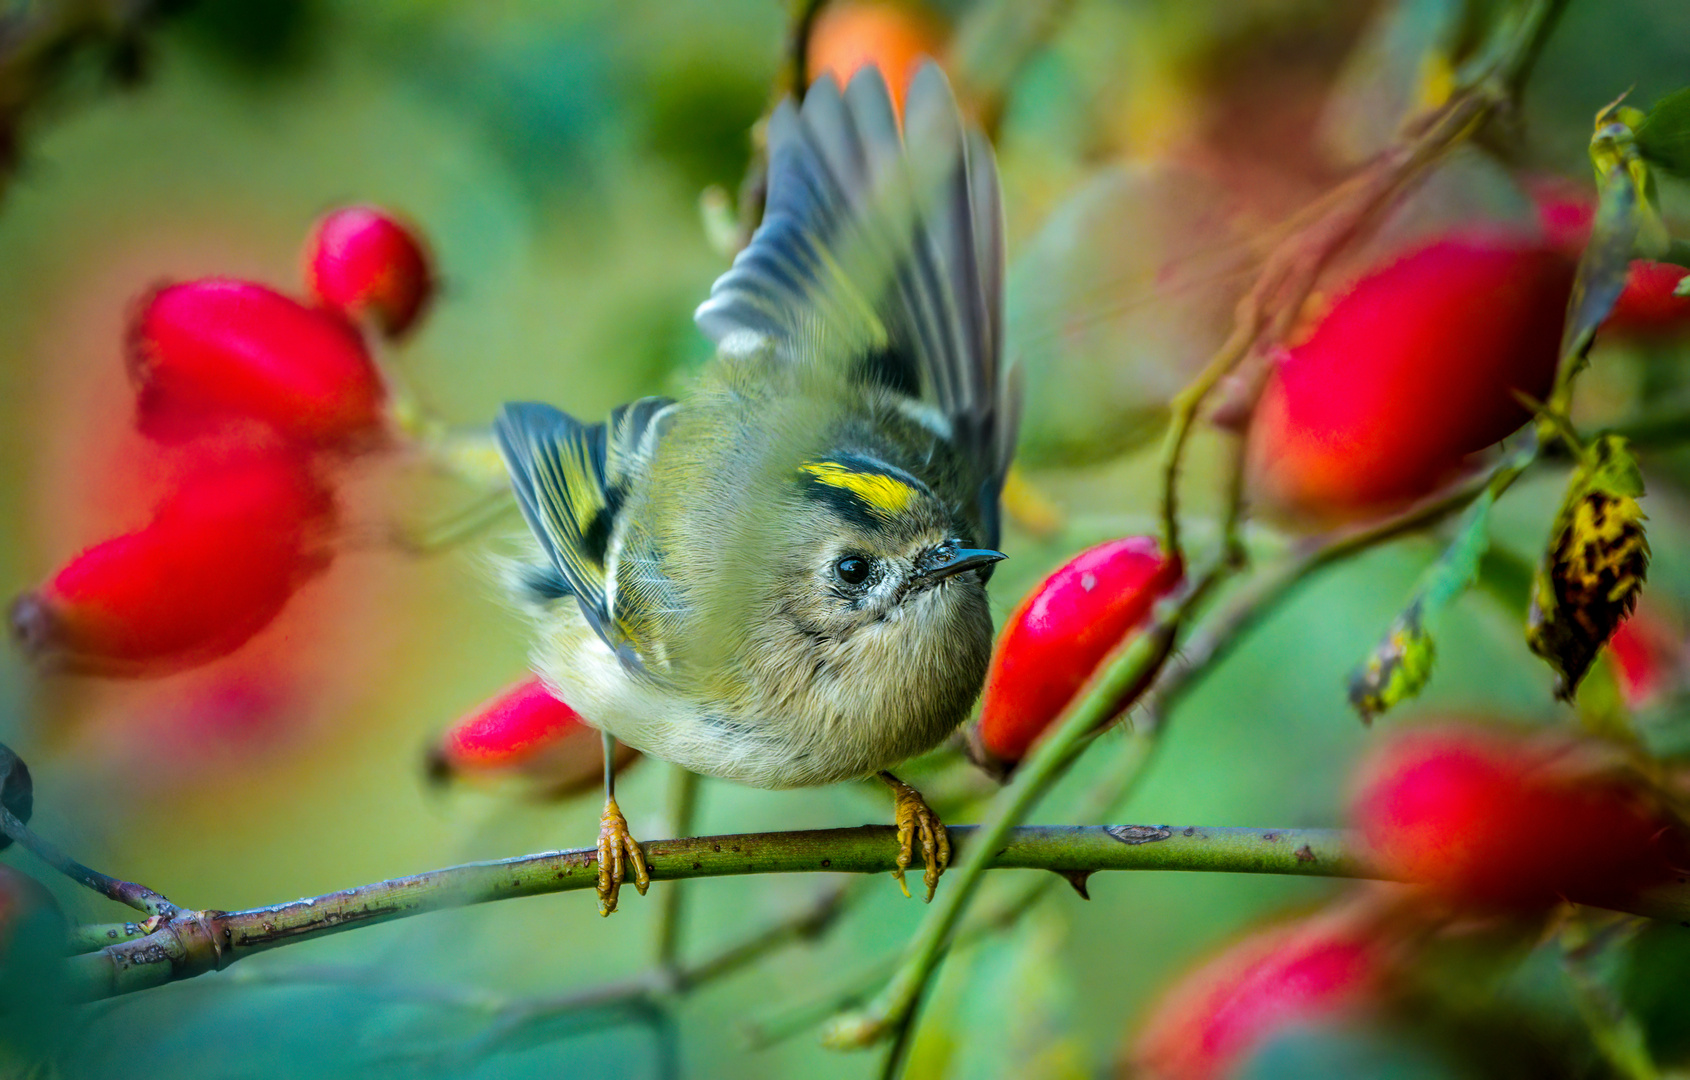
1307, 972
1059, 634
365, 263
1565, 211
219, 559
1648, 307
525, 731
207, 351
1496, 819
1643, 651
850, 35
1413, 369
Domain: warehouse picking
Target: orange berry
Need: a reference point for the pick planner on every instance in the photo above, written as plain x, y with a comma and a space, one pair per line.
854, 34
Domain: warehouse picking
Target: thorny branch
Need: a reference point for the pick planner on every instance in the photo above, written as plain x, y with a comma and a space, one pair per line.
194, 942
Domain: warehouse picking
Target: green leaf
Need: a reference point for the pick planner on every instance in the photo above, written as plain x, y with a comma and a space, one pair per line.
1628, 225
1458, 567
1605, 263
1400, 665
1663, 136
1396, 670
1594, 566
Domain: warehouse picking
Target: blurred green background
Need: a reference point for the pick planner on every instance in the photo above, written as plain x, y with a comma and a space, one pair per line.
554, 153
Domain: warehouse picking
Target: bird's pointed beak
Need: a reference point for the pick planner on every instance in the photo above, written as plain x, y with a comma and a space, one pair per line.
951, 561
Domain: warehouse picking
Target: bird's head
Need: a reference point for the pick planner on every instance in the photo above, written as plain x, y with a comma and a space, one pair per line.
878, 554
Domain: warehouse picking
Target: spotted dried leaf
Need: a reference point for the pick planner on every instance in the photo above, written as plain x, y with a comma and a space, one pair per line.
1395, 671
1594, 567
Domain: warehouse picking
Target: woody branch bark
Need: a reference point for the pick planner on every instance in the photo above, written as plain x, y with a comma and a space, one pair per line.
193, 943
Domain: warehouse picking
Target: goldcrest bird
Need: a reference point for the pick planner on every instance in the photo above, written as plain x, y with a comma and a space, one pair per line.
780, 578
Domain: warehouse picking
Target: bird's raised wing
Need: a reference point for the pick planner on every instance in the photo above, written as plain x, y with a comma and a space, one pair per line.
571, 480
883, 252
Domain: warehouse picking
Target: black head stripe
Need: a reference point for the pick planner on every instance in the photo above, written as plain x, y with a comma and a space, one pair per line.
863, 490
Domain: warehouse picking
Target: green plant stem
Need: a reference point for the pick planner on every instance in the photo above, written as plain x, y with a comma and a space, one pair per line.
455, 529
1615, 1033
92, 937
892, 1008
194, 942
664, 984
1109, 792
1520, 57
683, 806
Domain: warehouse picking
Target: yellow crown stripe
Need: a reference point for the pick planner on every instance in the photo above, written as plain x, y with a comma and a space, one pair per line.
885, 495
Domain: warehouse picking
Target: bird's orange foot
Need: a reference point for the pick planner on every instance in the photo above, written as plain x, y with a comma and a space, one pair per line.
916, 819
617, 848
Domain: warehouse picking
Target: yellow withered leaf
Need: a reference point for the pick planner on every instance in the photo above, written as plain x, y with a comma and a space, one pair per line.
1594, 566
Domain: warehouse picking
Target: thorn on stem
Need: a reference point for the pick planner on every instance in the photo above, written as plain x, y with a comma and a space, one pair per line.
1077, 878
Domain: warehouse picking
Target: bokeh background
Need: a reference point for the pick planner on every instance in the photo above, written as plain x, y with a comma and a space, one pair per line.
554, 153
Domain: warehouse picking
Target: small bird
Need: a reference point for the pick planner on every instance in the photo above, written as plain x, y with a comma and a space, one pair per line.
780, 578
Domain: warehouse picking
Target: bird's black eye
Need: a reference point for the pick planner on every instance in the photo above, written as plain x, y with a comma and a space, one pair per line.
852, 569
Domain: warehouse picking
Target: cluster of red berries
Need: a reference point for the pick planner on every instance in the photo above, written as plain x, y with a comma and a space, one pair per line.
1414, 367
255, 395
1486, 823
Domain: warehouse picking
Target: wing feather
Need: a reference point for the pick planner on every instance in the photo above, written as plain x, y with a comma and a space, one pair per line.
571, 481
884, 251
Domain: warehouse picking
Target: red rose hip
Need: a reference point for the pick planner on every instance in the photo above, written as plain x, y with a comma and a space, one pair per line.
1489, 818
364, 263
525, 731
207, 351
1320, 969
1414, 367
220, 558
1648, 306
1059, 634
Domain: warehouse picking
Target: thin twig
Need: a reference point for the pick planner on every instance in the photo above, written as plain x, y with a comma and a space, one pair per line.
128, 893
